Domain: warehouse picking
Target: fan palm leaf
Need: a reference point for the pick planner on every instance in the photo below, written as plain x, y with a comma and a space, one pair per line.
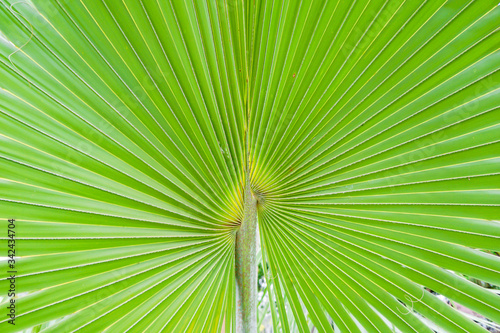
139, 138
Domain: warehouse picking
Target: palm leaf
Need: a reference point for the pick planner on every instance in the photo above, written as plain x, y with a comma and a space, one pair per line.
368, 132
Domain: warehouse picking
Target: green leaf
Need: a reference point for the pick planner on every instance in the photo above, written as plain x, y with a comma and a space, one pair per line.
367, 130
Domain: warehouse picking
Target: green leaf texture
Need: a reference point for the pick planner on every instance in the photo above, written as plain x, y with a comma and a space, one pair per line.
372, 130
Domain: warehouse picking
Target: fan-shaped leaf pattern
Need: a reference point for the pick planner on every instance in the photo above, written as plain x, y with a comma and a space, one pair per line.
371, 129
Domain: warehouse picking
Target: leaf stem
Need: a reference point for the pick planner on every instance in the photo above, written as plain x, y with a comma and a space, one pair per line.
246, 263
